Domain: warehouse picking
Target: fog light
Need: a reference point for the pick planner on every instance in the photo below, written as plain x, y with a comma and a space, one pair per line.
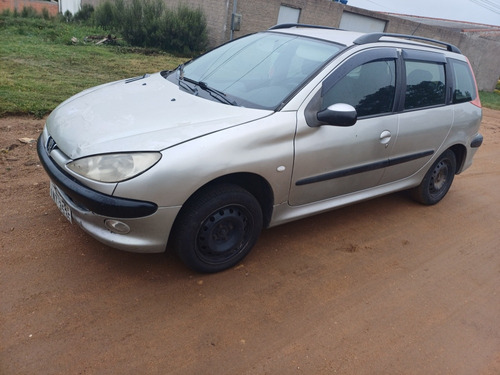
116, 226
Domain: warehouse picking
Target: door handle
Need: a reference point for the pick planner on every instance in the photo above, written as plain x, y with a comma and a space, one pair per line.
385, 137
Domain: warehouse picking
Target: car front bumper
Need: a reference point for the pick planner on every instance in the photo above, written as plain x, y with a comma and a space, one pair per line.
148, 225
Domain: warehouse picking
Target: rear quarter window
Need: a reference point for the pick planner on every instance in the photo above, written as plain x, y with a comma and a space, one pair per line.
464, 89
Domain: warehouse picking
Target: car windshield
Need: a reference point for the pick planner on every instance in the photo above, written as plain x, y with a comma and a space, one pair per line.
258, 71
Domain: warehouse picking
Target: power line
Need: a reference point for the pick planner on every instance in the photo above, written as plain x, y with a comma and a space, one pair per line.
494, 4
488, 4
378, 4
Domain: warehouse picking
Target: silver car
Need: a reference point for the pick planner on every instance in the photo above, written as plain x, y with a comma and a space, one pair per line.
269, 128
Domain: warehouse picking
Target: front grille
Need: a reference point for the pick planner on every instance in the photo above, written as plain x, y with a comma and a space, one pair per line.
51, 145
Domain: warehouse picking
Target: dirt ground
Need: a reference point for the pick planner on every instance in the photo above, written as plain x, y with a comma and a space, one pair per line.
383, 287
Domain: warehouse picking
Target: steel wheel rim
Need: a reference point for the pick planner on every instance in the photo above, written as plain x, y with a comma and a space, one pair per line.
440, 177
224, 234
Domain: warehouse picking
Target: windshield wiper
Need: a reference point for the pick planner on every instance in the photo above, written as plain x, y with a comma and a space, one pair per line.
180, 71
187, 87
180, 78
214, 93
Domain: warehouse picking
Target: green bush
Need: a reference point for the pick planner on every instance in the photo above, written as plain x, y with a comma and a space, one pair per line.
104, 15
46, 14
184, 31
84, 14
150, 24
151, 21
136, 23
29, 12
141, 23
66, 17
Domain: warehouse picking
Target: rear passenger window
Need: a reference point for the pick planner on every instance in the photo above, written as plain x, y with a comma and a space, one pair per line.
425, 84
369, 88
464, 89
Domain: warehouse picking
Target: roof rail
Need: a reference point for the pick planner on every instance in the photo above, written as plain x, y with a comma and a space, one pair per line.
290, 25
375, 37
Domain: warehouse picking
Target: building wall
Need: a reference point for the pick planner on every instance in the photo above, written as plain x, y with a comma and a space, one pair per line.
262, 14
483, 52
52, 7
72, 6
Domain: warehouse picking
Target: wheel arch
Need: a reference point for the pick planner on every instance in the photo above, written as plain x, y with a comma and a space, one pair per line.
255, 184
460, 152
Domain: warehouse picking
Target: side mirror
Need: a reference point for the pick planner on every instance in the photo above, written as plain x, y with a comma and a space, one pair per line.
339, 114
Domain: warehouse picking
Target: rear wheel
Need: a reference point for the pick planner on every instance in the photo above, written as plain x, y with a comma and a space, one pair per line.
437, 181
217, 228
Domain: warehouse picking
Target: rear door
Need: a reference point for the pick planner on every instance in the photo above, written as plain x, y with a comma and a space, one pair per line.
425, 120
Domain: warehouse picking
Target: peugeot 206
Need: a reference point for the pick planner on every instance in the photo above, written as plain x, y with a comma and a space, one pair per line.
266, 129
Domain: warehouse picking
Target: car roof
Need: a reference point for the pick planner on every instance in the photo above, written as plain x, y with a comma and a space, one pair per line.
344, 37
349, 38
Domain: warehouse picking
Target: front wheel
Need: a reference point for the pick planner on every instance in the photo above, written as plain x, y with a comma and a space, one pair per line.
217, 228
437, 180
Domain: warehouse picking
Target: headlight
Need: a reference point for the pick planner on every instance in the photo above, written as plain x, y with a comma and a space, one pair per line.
114, 167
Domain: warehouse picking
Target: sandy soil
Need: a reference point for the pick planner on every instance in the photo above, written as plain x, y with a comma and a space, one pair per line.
383, 287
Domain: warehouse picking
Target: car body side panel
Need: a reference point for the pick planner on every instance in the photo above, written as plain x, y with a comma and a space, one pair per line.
284, 212
421, 132
467, 120
264, 148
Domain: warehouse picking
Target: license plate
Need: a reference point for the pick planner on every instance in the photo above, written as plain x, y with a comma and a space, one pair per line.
60, 202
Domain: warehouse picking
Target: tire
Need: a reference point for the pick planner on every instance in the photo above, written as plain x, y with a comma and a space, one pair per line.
437, 180
217, 228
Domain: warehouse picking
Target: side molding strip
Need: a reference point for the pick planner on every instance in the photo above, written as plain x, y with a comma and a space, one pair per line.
363, 168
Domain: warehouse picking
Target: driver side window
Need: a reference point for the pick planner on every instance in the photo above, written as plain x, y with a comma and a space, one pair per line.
370, 88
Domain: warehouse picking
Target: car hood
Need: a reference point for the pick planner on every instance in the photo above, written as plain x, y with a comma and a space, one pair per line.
146, 113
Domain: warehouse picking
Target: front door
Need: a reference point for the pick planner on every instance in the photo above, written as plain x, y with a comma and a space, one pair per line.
331, 160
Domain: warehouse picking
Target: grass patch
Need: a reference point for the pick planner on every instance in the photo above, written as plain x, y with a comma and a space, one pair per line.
40, 66
491, 99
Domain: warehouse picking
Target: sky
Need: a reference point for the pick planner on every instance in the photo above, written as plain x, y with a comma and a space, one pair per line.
479, 11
